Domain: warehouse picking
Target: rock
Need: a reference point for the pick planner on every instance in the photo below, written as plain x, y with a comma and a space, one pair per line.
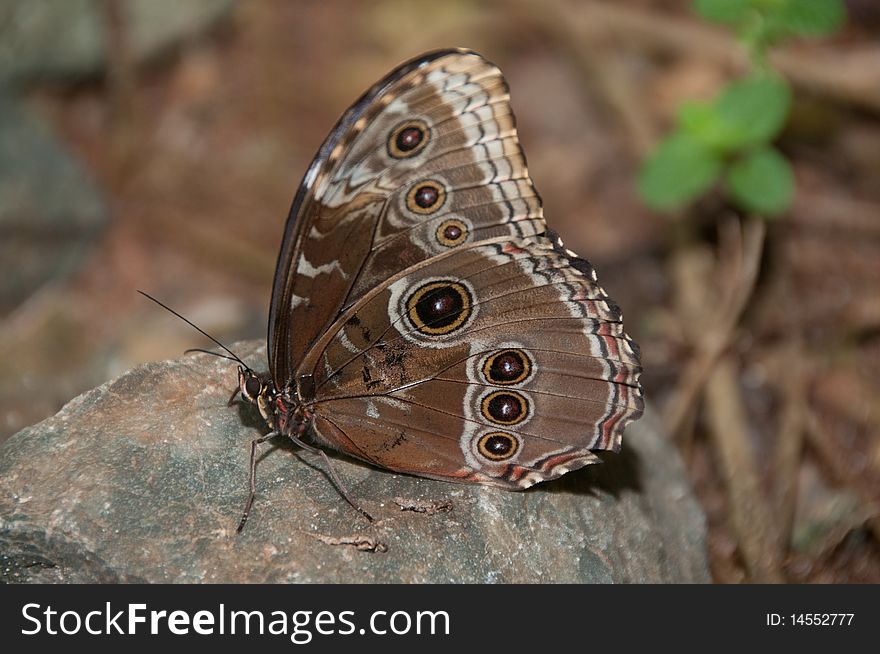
58, 39
50, 210
143, 480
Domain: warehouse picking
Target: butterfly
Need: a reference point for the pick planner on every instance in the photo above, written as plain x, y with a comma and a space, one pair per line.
424, 318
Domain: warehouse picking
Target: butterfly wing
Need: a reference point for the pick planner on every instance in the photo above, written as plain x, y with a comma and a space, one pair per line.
446, 331
425, 162
503, 363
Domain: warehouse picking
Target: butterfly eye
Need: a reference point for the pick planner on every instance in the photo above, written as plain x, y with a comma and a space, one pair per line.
426, 197
253, 387
498, 446
408, 139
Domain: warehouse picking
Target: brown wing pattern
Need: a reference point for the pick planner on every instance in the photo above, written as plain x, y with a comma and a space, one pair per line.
428, 160
502, 363
448, 333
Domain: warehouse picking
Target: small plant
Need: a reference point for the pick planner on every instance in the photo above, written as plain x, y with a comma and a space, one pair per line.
731, 137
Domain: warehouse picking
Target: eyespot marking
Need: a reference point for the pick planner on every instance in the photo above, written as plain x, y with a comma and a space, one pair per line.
426, 197
439, 307
408, 139
505, 407
497, 446
507, 367
452, 232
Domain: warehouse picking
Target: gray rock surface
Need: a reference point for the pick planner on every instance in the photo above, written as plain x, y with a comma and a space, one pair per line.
50, 210
62, 38
143, 480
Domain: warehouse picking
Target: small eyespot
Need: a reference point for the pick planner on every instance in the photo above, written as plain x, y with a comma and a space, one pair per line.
498, 445
452, 232
426, 197
505, 407
408, 139
507, 367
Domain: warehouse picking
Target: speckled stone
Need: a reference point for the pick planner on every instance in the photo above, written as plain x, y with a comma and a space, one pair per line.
69, 39
50, 209
143, 480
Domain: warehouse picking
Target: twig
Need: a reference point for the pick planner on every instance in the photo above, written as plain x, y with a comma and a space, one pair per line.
789, 444
712, 330
851, 76
833, 211
852, 397
749, 514
710, 326
360, 542
428, 507
839, 469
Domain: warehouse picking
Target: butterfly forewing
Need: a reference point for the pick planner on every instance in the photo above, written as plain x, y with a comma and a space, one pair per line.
427, 161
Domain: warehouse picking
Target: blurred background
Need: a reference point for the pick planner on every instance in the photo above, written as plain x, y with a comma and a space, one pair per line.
157, 144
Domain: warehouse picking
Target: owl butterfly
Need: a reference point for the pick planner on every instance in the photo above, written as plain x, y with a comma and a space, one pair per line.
424, 319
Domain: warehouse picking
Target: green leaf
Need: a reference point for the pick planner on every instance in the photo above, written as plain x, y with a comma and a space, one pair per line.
748, 112
754, 109
761, 181
697, 117
679, 169
723, 11
809, 17
761, 33
706, 125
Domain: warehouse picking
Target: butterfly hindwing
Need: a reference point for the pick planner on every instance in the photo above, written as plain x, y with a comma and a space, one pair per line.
505, 344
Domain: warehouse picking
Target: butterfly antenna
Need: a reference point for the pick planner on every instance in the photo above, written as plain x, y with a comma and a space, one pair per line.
198, 329
211, 352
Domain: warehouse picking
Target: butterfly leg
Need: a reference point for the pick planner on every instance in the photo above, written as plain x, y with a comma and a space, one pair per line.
333, 476
253, 478
233, 396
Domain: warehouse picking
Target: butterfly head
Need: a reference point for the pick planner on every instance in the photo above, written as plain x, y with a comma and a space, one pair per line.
258, 389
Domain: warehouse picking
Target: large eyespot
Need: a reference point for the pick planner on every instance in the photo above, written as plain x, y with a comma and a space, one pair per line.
439, 307
505, 407
426, 196
452, 232
408, 139
498, 445
507, 367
